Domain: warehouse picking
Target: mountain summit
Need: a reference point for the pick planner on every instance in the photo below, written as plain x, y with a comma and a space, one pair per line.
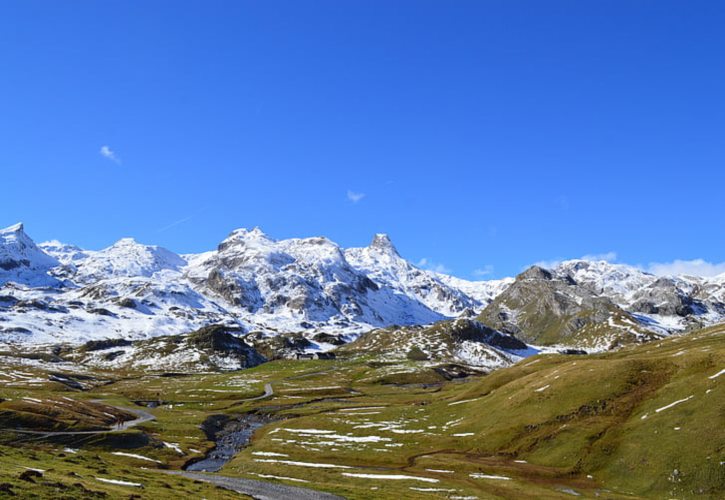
323, 294
22, 261
382, 243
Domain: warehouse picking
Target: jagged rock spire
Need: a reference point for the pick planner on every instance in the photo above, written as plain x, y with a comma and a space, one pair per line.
381, 241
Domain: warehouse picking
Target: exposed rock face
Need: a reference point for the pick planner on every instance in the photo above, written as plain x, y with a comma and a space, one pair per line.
234, 289
664, 297
312, 288
536, 273
279, 346
382, 243
674, 302
220, 340
216, 347
308, 278
471, 330
460, 341
544, 308
382, 263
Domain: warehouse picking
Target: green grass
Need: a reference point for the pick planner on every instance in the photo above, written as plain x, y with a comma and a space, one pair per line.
551, 424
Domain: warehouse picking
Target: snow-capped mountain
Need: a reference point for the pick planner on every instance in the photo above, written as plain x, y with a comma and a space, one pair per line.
250, 281
298, 283
673, 302
307, 286
382, 263
545, 308
64, 253
599, 305
22, 261
125, 258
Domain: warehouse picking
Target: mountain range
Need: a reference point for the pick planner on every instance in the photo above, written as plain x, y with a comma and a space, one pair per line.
323, 295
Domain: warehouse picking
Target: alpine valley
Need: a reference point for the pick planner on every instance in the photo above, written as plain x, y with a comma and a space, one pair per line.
300, 369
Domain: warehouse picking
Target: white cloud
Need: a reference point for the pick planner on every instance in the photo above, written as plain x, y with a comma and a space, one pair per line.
551, 264
695, 267
546, 264
483, 271
678, 267
107, 152
428, 264
354, 197
608, 256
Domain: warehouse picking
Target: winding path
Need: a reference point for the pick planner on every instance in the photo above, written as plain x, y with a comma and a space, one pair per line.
142, 416
260, 490
268, 391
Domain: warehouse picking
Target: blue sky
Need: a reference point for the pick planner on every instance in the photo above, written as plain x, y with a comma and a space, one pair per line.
482, 136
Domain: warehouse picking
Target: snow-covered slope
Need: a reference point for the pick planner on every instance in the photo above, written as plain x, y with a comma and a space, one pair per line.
21, 261
308, 286
299, 284
382, 263
669, 302
483, 292
125, 258
62, 252
250, 281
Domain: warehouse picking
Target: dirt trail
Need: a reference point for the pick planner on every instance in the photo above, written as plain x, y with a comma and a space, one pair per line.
258, 489
142, 416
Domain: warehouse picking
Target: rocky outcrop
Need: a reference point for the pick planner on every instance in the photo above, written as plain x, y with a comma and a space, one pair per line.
664, 297
544, 308
313, 287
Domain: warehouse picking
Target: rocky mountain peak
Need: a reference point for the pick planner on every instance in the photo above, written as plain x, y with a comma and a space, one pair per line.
126, 242
244, 236
313, 285
536, 273
382, 243
21, 260
15, 228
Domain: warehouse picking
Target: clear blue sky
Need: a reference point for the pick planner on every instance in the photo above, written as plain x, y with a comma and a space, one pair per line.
481, 133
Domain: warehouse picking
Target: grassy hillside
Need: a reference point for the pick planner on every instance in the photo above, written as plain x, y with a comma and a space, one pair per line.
642, 422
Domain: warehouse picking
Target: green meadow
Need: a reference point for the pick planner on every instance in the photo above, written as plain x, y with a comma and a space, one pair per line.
642, 422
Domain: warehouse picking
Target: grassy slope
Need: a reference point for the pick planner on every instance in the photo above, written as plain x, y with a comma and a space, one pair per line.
550, 424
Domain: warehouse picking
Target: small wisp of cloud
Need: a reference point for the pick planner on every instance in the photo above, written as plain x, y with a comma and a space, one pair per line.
108, 153
428, 264
551, 264
678, 267
695, 267
354, 197
607, 256
483, 271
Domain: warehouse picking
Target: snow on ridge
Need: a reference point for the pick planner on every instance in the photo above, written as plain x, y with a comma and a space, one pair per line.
22, 261
255, 282
15, 228
127, 258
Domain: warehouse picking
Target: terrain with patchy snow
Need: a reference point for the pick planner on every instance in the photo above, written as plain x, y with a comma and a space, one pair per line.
327, 295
